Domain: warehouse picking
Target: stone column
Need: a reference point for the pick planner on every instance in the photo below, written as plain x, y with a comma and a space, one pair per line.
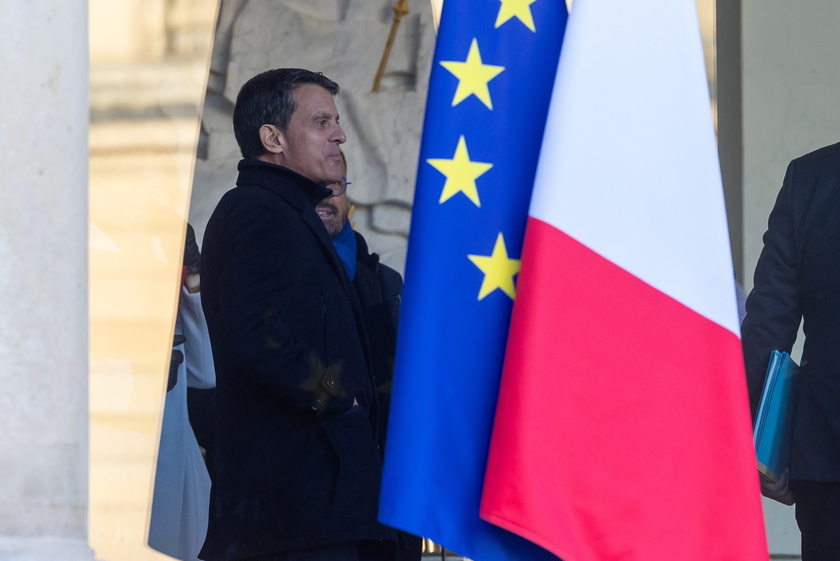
43, 280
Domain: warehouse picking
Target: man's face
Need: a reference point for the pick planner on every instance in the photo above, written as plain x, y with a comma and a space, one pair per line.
334, 210
311, 143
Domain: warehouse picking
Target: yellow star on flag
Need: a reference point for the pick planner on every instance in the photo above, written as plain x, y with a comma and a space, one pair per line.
516, 8
472, 76
498, 270
460, 173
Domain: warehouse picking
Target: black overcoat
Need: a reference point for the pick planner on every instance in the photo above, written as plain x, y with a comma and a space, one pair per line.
297, 463
798, 278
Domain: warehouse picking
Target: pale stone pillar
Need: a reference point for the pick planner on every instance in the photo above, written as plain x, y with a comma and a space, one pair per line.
43, 280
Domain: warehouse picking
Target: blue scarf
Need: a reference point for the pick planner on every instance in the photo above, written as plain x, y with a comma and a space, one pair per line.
345, 245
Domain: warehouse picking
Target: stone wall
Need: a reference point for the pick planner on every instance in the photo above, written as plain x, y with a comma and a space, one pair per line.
345, 40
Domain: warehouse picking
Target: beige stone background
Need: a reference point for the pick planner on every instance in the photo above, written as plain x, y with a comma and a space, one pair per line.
148, 71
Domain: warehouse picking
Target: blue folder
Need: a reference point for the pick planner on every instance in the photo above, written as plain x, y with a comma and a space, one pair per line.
774, 420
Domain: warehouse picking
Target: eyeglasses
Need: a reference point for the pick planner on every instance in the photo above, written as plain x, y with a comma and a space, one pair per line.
338, 194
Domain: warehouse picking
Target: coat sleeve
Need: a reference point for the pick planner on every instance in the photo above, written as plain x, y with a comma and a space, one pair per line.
773, 306
265, 312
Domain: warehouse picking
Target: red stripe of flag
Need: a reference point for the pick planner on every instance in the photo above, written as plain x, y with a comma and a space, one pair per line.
622, 424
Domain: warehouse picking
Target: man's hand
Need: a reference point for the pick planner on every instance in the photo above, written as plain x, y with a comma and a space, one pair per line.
778, 490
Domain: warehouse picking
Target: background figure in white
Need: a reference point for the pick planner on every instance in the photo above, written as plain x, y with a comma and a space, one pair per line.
182, 483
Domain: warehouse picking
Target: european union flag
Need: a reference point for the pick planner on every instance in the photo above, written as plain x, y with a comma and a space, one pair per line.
490, 86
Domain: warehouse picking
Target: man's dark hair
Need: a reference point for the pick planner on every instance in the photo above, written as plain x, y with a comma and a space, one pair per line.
266, 99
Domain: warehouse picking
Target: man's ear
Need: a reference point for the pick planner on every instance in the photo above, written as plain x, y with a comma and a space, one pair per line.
272, 139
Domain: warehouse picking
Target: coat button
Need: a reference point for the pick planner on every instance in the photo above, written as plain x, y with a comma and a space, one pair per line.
317, 405
331, 383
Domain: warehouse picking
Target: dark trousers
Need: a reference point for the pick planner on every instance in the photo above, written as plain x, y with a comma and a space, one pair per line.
818, 517
350, 551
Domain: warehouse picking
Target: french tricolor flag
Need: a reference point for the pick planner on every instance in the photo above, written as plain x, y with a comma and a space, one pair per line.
622, 430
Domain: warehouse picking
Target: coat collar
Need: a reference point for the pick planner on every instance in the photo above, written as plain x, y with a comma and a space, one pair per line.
364, 257
279, 179
299, 192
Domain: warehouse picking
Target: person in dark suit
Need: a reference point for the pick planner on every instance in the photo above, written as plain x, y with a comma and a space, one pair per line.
379, 288
798, 278
297, 464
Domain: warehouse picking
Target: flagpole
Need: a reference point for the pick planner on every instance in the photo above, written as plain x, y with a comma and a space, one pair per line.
400, 9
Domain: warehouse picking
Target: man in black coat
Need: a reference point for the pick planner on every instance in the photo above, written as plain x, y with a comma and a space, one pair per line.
377, 285
297, 467
798, 278
379, 288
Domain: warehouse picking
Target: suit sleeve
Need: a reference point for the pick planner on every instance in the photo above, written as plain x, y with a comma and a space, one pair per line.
773, 306
265, 312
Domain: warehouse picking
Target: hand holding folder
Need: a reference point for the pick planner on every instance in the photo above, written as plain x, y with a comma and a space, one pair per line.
778, 490
774, 420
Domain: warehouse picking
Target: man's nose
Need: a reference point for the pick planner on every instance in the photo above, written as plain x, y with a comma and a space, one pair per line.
338, 134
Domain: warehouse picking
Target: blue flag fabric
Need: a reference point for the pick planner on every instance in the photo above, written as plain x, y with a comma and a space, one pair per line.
490, 86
